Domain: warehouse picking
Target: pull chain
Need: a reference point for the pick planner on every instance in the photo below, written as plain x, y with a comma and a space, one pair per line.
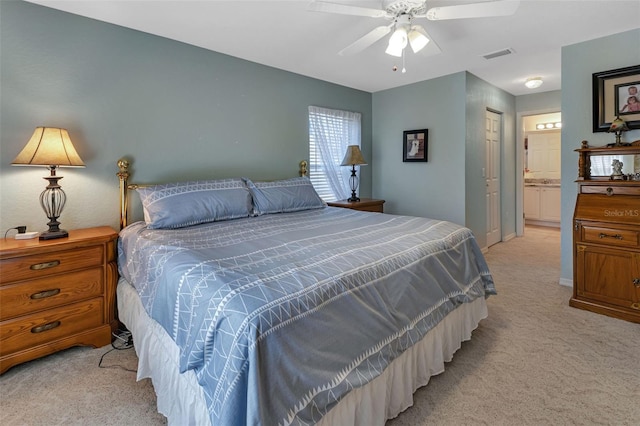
404, 70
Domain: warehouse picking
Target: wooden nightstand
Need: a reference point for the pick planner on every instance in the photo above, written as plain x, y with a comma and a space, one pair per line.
365, 204
56, 294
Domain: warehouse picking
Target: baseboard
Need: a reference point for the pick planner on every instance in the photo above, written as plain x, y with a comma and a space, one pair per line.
566, 282
509, 237
547, 223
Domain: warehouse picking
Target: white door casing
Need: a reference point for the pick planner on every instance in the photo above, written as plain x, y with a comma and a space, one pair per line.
493, 142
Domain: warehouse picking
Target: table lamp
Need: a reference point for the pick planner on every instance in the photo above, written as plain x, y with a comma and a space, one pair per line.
353, 158
51, 147
618, 126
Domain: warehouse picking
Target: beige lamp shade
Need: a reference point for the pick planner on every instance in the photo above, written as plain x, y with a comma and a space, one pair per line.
49, 146
353, 157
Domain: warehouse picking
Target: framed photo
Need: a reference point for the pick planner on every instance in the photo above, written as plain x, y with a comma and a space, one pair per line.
616, 93
415, 145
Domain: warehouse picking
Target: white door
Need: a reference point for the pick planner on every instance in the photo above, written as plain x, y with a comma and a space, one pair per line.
544, 155
553, 157
493, 141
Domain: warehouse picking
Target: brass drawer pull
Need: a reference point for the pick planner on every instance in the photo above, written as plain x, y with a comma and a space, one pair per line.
45, 265
616, 236
45, 293
636, 282
635, 306
45, 327
609, 191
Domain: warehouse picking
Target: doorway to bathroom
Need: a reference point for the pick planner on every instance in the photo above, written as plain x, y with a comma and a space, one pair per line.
539, 148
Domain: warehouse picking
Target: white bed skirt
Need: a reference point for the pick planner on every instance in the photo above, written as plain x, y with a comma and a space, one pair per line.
181, 399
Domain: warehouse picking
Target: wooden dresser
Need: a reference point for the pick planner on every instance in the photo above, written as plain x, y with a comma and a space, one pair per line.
606, 240
365, 204
56, 294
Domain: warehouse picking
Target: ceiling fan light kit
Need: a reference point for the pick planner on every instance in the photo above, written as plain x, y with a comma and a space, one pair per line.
397, 42
417, 39
404, 34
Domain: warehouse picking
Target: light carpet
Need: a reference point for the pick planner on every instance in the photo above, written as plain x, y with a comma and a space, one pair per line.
533, 361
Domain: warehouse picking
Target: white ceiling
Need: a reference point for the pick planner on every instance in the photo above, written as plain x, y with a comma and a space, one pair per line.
286, 35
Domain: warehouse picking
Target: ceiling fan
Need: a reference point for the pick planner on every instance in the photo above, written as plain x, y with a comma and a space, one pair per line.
402, 13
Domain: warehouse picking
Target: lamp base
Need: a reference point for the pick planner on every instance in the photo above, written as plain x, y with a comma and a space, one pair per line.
353, 199
52, 235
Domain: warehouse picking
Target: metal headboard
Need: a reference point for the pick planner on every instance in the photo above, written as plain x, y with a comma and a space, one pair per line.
125, 186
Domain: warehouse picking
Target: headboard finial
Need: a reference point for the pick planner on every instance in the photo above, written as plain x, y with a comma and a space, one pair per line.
123, 175
303, 168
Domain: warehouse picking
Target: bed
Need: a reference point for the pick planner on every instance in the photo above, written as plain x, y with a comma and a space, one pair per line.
255, 303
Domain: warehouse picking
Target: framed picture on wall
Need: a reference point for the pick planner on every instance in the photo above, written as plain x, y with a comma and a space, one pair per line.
616, 93
415, 145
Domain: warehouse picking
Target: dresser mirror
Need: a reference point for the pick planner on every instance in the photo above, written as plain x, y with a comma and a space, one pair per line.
596, 163
601, 164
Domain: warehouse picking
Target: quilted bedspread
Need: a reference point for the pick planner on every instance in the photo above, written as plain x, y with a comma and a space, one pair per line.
282, 315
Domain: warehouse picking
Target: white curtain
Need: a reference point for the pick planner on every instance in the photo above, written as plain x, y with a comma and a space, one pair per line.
330, 132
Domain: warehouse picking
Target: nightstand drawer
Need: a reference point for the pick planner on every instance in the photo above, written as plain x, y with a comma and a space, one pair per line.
41, 265
32, 330
611, 236
49, 292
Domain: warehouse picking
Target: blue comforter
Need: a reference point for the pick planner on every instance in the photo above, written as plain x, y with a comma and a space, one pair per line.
282, 315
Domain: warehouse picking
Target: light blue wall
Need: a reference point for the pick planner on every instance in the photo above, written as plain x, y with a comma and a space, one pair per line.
180, 111
536, 102
482, 96
436, 188
579, 62
450, 185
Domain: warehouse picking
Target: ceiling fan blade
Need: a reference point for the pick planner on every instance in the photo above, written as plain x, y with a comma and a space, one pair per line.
473, 10
325, 6
366, 40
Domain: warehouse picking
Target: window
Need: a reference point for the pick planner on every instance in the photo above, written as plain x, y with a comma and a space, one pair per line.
330, 132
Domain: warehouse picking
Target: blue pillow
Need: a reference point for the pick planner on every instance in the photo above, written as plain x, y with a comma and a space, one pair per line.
282, 196
181, 204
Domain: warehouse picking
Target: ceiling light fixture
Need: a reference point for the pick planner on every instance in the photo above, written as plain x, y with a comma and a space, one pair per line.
405, 34
533, 82
547, 126
397, 42
417, 38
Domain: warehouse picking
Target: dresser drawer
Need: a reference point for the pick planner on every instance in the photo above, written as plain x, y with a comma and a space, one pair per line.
611, 236
49, 292
610, 190
40, 265
36, 329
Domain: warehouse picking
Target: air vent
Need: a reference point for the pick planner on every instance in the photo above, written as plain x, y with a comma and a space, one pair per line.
497, 54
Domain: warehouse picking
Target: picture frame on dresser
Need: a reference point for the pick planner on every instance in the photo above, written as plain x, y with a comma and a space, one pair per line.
415, 145
609, 102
